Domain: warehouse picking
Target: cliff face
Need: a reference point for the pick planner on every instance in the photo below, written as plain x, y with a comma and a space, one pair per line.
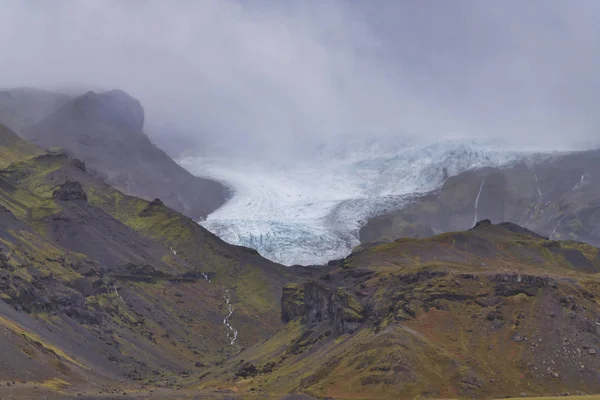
21, 108
494, 311
98, 288
558, 197
315, 303
105, 130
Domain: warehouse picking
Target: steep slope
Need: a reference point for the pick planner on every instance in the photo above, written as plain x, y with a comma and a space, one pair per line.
106, 131
493, 312
21, 108
558, 196
13, 148
102, 291
308, 210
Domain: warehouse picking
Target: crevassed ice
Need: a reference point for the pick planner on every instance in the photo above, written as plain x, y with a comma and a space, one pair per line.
309, 211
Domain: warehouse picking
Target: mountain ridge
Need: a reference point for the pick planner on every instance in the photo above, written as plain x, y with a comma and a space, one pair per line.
474, 314
557, 195
105, 130
105, 295
95, 280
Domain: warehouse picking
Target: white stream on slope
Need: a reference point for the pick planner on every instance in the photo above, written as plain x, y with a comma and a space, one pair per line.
581, 182
117, 293
231, 332
537, 185
477, 201
554, 231
310, 211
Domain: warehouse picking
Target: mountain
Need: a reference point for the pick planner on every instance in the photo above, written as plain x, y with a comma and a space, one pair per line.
101, 291
106, 131
13, 148
21, 108
310, 209
557, 195
105, 295
496, 311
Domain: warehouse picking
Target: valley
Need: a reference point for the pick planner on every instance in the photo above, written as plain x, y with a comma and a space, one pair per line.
476, 276
310, 211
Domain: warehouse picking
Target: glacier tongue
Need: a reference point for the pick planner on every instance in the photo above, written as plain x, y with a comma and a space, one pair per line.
309, 211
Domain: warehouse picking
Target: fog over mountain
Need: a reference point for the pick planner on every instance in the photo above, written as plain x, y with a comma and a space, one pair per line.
322, 114
263, 77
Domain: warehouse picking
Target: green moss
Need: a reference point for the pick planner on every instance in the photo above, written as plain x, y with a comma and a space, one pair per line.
16, 328
353, 310
14, 149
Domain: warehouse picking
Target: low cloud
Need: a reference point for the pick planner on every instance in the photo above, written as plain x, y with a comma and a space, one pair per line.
266, 76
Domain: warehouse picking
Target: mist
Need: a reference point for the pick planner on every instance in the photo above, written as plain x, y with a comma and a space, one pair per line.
264, 77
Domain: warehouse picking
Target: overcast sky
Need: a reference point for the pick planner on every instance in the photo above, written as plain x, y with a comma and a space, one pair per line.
275, 72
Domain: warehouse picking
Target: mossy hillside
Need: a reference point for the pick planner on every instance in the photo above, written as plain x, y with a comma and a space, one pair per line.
253, 283
158, 222
32, 337
23, 203
436, 329
166, 324
486, 248
14, 149
352, 309
451, 342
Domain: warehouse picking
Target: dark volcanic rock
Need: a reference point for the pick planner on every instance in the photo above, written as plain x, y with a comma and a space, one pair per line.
525, 280
79, 164
484, 223
21, 108
106, 131
115, 107
557, 196
317, 303
151, 208
519, 229
513, 284
70, 191
247, 370
292, 302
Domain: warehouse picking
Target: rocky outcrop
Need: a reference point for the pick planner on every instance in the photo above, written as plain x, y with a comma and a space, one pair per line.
525, 280
152, 207
512, 284
46, 294
79, 164
139, 273
292, 302
21, 108
115, 107
106, 131
316, 304
70, 191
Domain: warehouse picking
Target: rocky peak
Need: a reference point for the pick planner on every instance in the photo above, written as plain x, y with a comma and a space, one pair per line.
115, 106
70, 191
485, 223
79, 164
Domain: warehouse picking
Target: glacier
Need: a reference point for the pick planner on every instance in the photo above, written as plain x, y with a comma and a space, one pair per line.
308, 210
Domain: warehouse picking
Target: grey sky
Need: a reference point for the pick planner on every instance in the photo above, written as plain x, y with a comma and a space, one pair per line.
276, 72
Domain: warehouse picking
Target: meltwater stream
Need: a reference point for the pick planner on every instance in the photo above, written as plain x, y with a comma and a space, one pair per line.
309, 211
